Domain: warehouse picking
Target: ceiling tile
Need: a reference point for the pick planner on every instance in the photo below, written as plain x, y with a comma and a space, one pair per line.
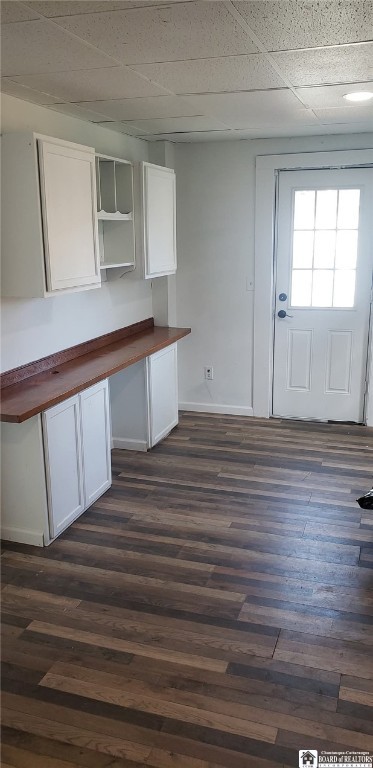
91, 84
27, 94
192, 137
143, 109
287, 24
344, 64
82, 114
231, 73
162, 33
252, 110
179, 124
53, 8
124, 128
11, 11
346, 115
29, 47
260, 133
330, 96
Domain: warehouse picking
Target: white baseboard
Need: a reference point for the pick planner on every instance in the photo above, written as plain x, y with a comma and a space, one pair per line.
36, 538
129, 445
230, 410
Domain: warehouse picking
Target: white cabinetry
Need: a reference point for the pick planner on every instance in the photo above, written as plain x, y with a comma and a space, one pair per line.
115, 211
162, 393
63, 464
158, 220
49, 220
96, 441
77, 453
152, 381
55, 465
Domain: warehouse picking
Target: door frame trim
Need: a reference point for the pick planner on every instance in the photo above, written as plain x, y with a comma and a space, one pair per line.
267, 170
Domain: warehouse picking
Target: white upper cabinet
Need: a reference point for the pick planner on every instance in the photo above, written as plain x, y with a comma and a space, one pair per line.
49, 232
115, 212
67, 181
158, 203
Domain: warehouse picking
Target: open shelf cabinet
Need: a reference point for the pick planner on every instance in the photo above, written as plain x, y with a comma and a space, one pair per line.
115, 201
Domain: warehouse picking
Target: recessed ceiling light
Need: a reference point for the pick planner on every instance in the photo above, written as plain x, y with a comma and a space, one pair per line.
359, 96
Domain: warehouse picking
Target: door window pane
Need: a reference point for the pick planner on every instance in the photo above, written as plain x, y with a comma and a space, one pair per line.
348, 208
326, 209
344, 288
301, 287
346, 251
303, 249
322, 288
304, 209
324, 249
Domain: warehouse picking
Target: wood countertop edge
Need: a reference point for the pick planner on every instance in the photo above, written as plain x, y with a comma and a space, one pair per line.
22, 416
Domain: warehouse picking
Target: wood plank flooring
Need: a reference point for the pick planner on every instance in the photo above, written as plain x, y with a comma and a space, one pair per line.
212, 609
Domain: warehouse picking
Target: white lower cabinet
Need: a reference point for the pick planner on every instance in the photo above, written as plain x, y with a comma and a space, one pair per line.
63, 464
151, 388
162, 393
54, 466
96, 441
77, 454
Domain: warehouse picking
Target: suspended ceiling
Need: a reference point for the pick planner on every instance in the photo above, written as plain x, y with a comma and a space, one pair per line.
191, 70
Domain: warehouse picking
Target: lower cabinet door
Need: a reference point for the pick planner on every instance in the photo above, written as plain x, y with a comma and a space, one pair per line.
96, 439
63, 460
162, 393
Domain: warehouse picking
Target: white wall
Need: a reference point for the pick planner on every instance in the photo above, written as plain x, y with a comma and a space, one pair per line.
214, 282
37, 327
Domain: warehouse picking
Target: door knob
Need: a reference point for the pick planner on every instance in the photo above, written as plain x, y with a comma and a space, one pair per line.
282, 313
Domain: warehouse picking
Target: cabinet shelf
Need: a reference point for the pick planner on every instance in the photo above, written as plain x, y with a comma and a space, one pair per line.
115, 204
117, 216
113, 265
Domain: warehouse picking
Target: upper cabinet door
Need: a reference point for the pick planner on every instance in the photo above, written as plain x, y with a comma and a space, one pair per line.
159, 212
68, 195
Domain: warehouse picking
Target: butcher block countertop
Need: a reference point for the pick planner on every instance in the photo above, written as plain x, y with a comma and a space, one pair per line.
32, 388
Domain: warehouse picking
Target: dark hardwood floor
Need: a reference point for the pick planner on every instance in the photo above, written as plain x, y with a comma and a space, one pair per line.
212, 609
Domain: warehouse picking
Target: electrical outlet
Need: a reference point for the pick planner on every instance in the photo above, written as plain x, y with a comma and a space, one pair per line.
209, 372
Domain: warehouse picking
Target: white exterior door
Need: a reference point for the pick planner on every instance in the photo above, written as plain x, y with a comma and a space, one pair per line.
63, 462
162, 393
95, 420
323, 290
159, 212
68, 193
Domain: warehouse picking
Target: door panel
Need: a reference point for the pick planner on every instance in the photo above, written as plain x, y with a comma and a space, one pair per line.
299, 345
159, 220
95, 418
62, 438
67, 177
338, 362
324, 277
162, 393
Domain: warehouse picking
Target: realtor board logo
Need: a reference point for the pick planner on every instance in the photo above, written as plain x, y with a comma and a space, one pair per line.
308, 758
